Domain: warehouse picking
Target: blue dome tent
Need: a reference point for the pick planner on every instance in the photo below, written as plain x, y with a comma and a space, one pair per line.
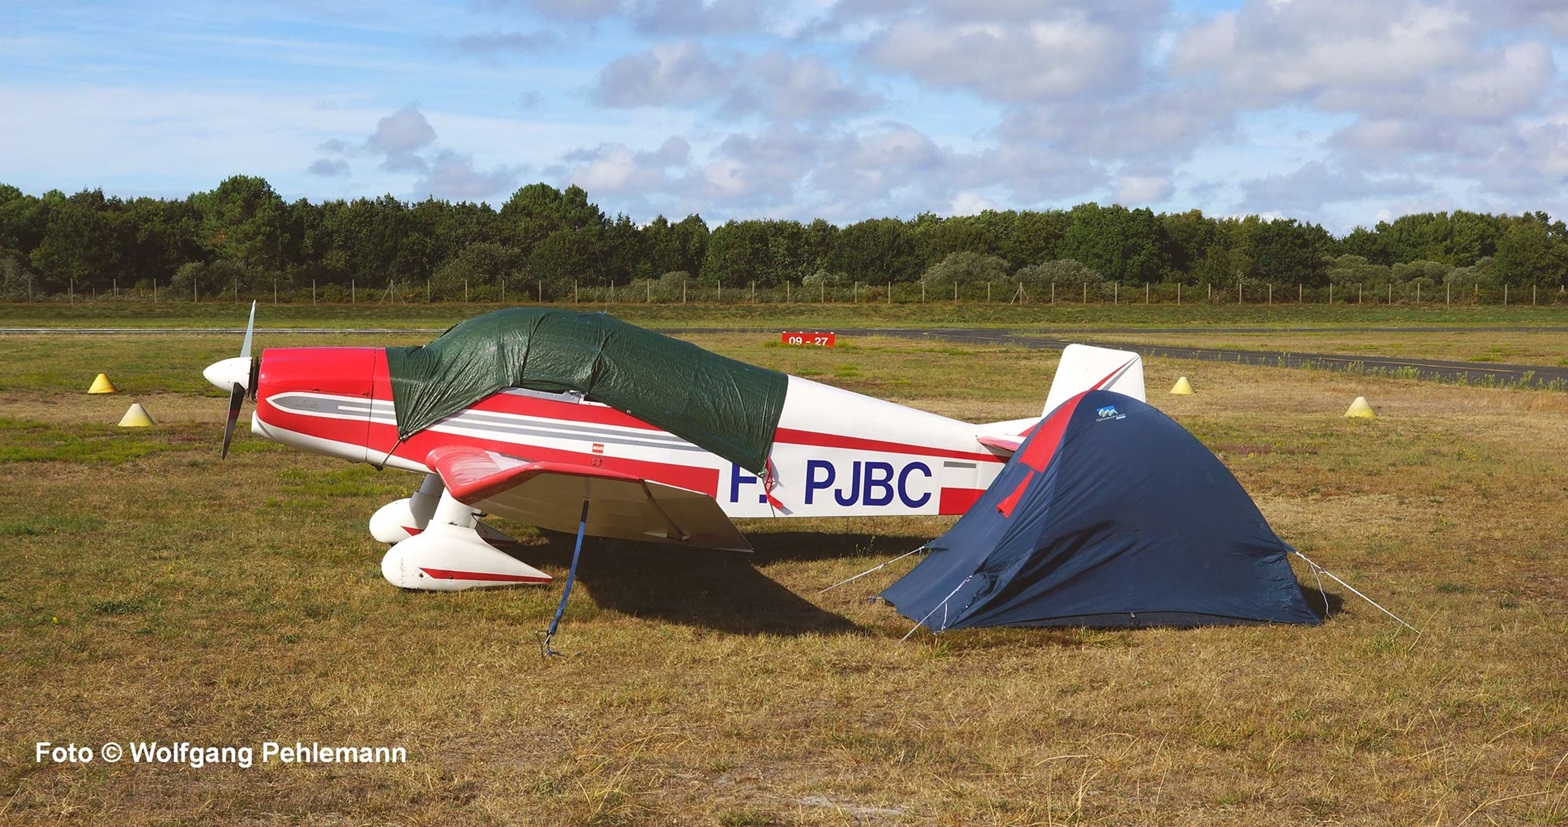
1109, 514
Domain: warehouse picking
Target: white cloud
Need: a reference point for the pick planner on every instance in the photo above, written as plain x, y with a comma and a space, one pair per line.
1041, 60
681, 74
1142, 190
452, 176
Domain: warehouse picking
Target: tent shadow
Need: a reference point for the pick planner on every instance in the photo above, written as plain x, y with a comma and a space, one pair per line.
718, 590
1325, 604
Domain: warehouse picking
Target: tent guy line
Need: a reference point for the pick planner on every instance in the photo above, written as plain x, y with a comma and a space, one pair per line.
1317, 569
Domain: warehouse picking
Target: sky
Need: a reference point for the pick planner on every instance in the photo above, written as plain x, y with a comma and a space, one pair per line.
1337, 112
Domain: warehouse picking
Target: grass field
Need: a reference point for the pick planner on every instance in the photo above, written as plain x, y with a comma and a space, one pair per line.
153, 593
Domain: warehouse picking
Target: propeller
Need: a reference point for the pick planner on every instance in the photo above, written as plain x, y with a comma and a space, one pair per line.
237, 376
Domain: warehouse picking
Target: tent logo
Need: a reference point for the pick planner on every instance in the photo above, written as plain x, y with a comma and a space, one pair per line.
1109, 412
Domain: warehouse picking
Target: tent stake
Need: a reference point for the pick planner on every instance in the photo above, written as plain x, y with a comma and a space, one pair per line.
1317, 568
571, 577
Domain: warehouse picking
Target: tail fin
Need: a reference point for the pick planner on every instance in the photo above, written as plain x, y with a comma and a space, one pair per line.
1085, 368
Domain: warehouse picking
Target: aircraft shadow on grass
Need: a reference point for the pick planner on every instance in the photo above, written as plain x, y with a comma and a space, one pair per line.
720, 590
725, 591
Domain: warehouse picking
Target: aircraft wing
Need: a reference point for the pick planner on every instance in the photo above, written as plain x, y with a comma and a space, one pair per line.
550, 495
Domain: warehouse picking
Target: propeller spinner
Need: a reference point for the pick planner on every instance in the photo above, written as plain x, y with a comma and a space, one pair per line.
235, 375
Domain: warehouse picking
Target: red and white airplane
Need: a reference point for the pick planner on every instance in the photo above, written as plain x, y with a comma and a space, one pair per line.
566, 462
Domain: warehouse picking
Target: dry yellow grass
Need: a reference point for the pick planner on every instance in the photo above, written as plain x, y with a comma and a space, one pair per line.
160, 595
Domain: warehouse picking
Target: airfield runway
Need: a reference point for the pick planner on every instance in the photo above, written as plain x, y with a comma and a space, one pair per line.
1545, 376
1431, 369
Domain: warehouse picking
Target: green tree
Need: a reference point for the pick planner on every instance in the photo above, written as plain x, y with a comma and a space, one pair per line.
1284, 251
1028, 237
1127, 246
1533, 250
964, 268
243, 221
876, 251
77, 246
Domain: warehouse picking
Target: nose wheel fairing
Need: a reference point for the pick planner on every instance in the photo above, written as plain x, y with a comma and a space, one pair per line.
442, 546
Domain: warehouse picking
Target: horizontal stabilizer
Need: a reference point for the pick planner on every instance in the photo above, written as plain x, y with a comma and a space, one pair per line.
1004, 444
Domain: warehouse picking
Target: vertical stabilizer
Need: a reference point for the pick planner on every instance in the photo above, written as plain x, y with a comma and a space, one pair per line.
1087, 368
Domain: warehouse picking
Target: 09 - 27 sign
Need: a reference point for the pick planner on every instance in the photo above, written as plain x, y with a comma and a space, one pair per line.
801, 337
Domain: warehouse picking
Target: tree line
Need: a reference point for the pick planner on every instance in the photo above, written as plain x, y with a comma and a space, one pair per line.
243, 238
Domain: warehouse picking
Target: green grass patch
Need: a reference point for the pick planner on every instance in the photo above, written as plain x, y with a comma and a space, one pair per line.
23, 441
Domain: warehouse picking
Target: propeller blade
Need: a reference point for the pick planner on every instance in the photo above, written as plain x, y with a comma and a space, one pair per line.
236, 397
250, 328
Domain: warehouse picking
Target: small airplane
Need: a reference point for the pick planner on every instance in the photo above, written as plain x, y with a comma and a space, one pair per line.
580, 422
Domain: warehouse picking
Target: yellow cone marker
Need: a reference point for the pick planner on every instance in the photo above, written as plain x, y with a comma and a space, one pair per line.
1361, 409
102, 385
1182, 387
135, 417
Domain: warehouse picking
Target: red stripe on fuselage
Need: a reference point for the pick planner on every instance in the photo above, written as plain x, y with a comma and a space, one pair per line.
958, 500
482, 576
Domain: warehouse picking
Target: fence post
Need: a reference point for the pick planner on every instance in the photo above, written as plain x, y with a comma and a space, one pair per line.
1505, 295
1145, 292
353, 292
312, 291
1271, 294
1178, 294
